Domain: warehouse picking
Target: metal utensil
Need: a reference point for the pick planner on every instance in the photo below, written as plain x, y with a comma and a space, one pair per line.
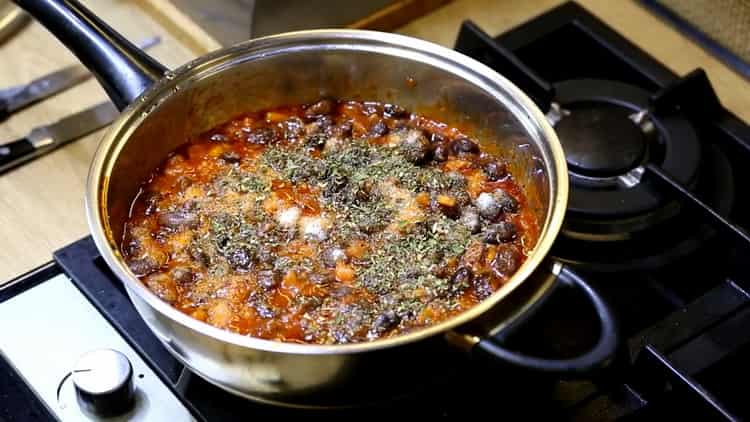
12, 18
17, 97
44, 139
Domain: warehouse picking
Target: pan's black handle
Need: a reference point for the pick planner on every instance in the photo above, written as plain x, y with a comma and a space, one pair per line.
4, 109
595, 359
121, 68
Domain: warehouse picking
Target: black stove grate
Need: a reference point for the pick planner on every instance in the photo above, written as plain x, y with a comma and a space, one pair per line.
690, 320
649, 376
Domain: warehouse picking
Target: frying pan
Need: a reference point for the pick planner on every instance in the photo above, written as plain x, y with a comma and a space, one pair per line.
163, 108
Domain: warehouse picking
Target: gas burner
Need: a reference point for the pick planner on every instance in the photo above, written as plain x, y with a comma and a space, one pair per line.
601, 140
617, 219
608, 135
661, 243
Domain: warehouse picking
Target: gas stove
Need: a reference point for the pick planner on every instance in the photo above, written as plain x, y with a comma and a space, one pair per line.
655, 222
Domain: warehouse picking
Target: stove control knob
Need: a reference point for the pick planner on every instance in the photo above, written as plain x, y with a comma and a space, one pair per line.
103, 381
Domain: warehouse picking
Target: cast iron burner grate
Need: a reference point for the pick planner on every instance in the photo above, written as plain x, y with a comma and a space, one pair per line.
632, 133
652, 203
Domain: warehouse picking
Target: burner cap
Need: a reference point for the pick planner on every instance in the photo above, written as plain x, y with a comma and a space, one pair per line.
663, 243
600, 140
619, 203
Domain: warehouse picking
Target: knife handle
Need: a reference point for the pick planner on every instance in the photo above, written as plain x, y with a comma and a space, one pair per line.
15, 153
4, 109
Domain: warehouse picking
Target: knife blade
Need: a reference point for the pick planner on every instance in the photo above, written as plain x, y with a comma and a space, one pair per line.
44, 139
13, 18
17, 97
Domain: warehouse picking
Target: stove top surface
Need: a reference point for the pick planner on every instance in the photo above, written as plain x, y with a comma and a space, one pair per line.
654, 227
79, 284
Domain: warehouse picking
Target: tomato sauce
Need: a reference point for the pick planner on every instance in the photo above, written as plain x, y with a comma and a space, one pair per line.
327, 223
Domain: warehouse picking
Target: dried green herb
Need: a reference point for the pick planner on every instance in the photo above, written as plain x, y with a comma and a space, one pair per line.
407, 262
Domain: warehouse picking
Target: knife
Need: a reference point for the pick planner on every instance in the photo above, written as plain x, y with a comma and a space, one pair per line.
17, 97
44, 139
12, 19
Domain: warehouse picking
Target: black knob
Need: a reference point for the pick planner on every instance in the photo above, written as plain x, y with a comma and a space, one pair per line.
103, 381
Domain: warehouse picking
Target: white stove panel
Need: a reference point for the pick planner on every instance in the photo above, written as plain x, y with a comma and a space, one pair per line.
44, 330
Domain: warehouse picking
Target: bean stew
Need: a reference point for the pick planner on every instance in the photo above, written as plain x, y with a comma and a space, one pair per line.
328, 223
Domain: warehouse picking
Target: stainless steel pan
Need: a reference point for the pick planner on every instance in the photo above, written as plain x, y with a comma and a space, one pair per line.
162, 109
